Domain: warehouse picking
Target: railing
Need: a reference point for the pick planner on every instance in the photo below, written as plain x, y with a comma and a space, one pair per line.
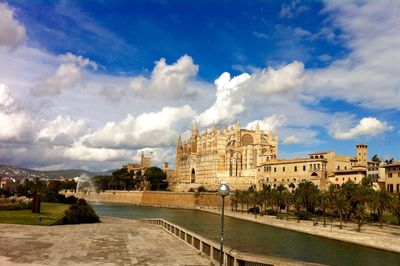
212, 249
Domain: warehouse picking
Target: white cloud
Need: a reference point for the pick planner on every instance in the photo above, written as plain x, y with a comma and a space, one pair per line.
5, 97
12, 33
369, 75
68, 75
63, 131
15, 125
166, 80
112, 94
268, 123
78, 60
229, 101
291, 140
146, 130
84, 153
367, 127
271, 81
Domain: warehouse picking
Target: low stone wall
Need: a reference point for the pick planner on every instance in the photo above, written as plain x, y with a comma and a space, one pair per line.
186, 200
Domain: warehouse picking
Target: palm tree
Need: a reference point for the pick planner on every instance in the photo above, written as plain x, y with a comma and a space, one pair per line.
287, 199
235, 199
323, 203
341, 205
308, 195
381, 201
395, 207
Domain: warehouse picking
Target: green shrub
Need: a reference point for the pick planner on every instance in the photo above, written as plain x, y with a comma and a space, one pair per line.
271, 212
201, 189
81, 212
15, 203
303, 215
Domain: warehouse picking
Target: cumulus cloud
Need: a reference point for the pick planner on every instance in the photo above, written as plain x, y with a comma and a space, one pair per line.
291, 140
268, 123
6, 99
78, 60
166, 80
63, 131
285, 79
112, 94
15, 124
146, 130
369, 75
229, 101
12, 33
367, 127
68, 75
83, 153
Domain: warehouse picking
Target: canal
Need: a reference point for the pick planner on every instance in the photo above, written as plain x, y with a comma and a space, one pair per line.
258, 238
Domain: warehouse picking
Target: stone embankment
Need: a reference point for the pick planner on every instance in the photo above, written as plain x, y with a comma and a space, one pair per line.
184, 200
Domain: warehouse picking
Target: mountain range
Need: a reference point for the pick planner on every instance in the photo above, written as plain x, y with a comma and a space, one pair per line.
20, 173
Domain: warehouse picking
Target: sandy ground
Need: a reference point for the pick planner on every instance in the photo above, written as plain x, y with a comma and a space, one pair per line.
371, 235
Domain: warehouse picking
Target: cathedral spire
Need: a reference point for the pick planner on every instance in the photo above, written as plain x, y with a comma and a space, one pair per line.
179, 143
194, 127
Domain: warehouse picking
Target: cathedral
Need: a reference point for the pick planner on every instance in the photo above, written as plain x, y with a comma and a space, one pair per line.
230, 155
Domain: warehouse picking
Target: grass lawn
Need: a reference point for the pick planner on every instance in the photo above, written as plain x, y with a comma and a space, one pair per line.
49, 212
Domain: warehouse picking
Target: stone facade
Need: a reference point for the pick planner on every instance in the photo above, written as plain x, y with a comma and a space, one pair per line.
392, 177
244, 158
145, 162
230, 155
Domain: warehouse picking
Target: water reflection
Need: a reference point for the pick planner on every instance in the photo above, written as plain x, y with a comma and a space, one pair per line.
258, 238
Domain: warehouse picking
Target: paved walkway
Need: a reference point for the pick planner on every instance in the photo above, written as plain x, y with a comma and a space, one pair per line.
112, 242
371, 235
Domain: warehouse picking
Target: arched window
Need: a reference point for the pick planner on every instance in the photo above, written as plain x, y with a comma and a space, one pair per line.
247, 139
193, 176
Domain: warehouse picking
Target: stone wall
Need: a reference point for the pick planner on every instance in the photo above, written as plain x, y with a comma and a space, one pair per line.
186, 200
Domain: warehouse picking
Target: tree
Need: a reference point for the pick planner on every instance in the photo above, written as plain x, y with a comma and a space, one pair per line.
156, 178
376, 158
323, 203
342, 205
381, 201
307, 193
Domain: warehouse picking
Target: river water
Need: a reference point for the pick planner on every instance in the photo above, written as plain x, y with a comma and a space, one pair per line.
258, 238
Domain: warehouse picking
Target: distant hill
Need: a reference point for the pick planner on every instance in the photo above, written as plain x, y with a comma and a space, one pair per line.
20, 173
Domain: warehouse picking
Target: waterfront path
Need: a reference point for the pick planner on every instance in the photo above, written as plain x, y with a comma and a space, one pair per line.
112, 242
371, 235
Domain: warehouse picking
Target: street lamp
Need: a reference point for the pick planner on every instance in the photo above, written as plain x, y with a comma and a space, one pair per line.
223, 190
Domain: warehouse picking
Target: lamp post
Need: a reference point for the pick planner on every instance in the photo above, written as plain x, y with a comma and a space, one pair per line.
223, 190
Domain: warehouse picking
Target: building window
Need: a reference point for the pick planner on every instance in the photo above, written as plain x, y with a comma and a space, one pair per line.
275, 180
338, 167
390, 175
304, 167
398, 187
337, 179
355, 178
295, 168
283, 169
283, 180
274, 169
345, 167
390, 187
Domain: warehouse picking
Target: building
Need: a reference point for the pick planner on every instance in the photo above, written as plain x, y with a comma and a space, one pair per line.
8, 183
231, 155
392, 177
319, 168
145, 162
243, 158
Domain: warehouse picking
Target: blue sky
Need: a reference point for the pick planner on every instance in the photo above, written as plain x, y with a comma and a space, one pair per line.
91, 84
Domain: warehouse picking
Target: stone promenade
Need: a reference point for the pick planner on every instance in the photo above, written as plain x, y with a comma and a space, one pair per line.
112, 242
